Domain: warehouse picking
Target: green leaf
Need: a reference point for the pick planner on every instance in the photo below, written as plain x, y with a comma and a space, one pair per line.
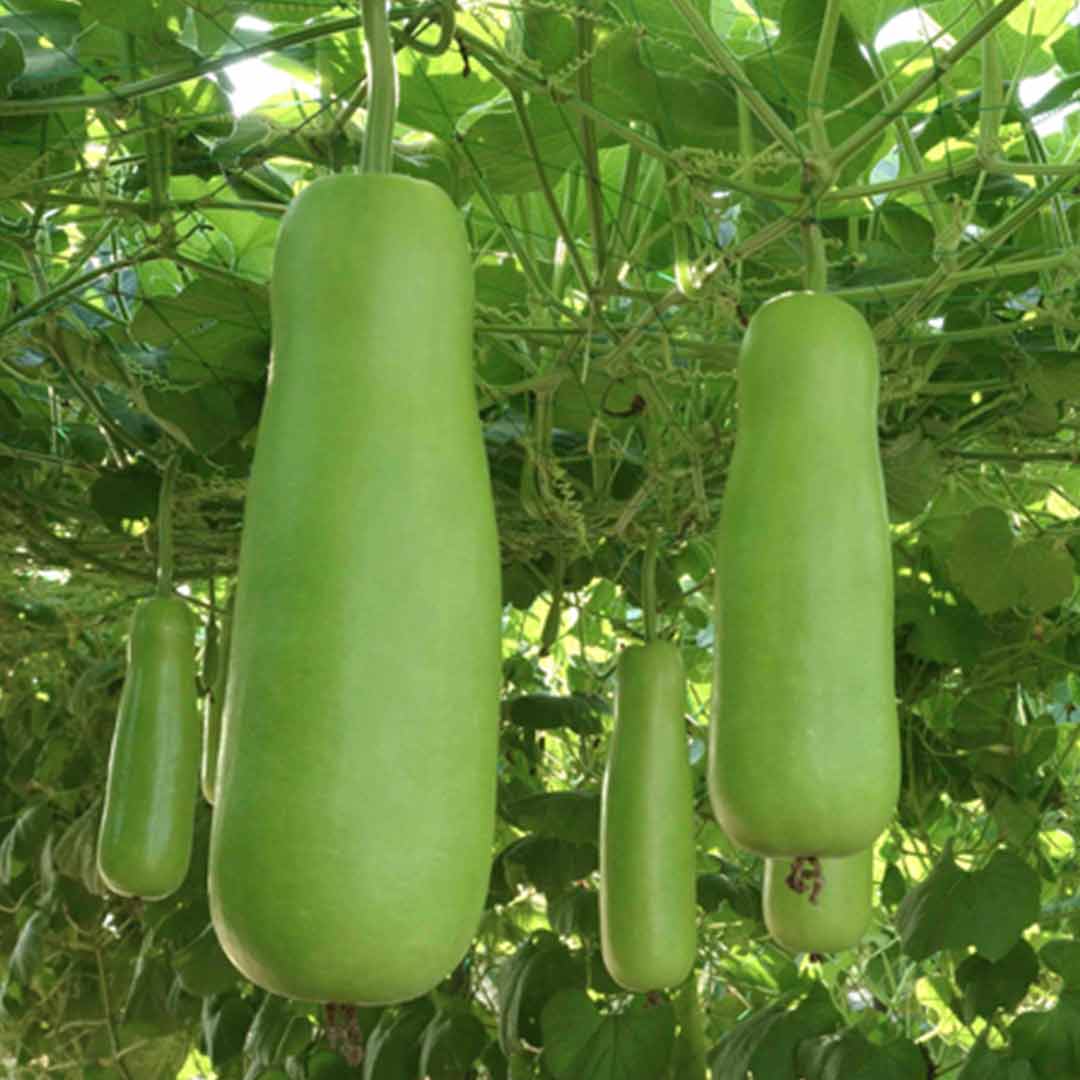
492, 139
851, 1056
329, 1065
267, 1029
75, 852
128, 494
575, 911
782, 73
24, 839
948, 634
744, 898
451, 1044
547, 712
210, 331
696, 112
225, 1021
768, 1040
202, 966
573, 816
205, 418
1050, 1040
27, 955
547, 863
867, 17
12, 60
143, 18
539, 969
582, 1044
988, 986
435, 92
1063, 956
1044, 570
1055, 377
913, 470
985, 1064
987, 908
980, 560
907, 228
1017, 819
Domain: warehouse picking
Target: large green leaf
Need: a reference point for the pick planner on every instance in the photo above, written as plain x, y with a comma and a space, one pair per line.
986, 908
580, 1043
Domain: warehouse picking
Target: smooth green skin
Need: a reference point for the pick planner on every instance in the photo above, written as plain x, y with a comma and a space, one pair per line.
648, 912
351, 837
842, 912
804, 755
144, 844
213, 708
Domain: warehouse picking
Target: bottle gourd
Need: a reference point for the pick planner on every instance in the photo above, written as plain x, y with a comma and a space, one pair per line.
355, 790
804, 747
648, 908
144, 843
818, 905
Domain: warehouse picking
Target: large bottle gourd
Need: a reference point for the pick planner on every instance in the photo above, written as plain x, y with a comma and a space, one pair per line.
804, 746
354, 813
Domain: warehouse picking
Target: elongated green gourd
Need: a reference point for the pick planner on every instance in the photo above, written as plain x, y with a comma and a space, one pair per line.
354, 815
818, 905
804, 746
213, 708
647, 901
144, 844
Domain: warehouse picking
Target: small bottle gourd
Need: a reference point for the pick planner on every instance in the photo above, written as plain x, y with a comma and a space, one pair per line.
818, 905
647, 853
145, 839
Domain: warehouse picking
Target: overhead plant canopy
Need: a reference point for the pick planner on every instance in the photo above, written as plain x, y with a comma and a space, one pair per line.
636, 177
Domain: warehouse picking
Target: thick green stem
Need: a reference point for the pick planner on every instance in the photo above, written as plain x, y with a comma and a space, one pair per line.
680, 237
382, 80
992, 103
620, 232
722, 57
165, 528
746, 138
691, 1019
944, 279
35, 307
942, 65
648, 584
564, 242
564, 227
895, 289
819, 78
110, 1020
816, 270
911, 150
589, 150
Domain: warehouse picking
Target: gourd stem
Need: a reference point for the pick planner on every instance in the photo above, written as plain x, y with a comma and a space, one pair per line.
382, 82
691, 1019
648, 585
816, 270
165, 531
